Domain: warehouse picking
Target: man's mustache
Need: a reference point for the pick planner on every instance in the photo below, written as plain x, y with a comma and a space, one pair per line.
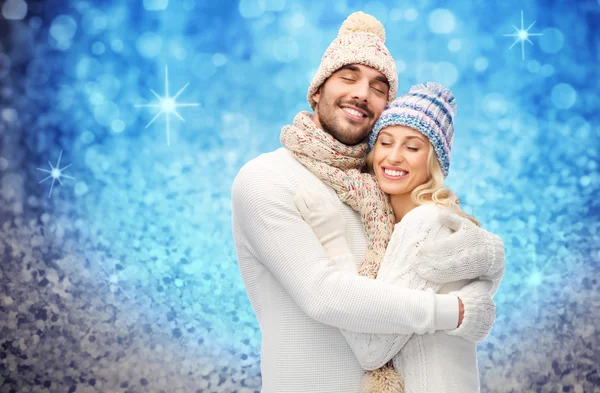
360, 105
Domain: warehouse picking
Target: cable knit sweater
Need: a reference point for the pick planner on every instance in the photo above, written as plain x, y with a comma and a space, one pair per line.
301, 298
430, 363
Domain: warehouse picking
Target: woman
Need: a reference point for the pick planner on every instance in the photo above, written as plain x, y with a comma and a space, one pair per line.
409, 158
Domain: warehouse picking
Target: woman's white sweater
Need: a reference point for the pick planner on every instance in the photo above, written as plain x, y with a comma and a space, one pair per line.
301, 298
430, 363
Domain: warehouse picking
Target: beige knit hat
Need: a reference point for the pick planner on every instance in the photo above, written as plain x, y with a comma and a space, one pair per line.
360, 41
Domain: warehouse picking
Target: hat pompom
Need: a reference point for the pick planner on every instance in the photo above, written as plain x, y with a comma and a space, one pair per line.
383, 380
361, 22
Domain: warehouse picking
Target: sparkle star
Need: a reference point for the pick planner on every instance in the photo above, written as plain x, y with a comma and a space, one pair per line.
113, 281
55, 173
536, 279
167, 105
522, 35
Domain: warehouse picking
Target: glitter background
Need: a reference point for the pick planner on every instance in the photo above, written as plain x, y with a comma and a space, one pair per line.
124, 278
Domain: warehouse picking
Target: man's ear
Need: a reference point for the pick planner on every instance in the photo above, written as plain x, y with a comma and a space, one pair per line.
317, 95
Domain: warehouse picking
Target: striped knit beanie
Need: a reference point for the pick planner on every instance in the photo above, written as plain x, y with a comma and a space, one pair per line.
428, 108
360, 41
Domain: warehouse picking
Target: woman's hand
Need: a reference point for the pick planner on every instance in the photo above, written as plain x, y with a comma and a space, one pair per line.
469, 252
325, 219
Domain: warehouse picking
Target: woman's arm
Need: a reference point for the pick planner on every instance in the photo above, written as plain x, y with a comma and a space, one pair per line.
477, 295
480, 309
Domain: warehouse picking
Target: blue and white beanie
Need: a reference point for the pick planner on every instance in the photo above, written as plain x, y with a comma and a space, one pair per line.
428, 108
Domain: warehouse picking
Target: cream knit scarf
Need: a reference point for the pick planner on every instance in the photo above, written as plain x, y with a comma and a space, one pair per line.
339, 166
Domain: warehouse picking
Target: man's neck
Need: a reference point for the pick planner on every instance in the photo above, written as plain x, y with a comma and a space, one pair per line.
315, 120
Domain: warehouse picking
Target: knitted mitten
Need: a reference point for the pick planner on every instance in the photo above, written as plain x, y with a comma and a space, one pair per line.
382, 380
469, 252
480, 309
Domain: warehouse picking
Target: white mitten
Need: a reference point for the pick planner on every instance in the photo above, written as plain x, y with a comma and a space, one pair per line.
469, 252
326, 221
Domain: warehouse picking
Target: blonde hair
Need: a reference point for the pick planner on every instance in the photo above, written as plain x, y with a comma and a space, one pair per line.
433, 190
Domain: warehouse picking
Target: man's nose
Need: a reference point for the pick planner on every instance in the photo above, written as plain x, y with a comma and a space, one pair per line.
361, 90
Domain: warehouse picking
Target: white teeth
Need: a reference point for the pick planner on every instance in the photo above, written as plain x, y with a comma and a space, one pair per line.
394, 173
353, 112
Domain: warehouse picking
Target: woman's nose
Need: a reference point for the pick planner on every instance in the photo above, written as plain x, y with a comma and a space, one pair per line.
395, 156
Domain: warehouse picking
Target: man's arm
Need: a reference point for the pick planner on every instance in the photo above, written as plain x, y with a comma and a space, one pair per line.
263, 205
478, 315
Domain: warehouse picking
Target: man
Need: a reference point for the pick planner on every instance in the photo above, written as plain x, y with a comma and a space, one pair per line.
301, 299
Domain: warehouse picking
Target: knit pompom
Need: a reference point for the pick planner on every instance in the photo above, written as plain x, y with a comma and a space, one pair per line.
361, 22
382, 380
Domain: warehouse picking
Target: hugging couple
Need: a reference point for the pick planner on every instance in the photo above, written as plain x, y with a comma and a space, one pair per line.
364, 273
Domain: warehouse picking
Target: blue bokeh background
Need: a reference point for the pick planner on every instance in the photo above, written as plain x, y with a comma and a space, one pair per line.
124, 278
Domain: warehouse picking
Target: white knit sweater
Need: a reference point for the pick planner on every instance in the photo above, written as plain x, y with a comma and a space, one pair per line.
430, 363
301, 298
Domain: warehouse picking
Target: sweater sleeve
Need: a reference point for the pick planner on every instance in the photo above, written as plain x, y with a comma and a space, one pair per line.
263, 206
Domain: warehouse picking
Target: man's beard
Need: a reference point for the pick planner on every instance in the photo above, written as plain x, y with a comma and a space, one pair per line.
347, 134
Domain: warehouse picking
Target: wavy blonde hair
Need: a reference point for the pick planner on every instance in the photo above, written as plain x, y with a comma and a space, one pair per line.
433, 190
